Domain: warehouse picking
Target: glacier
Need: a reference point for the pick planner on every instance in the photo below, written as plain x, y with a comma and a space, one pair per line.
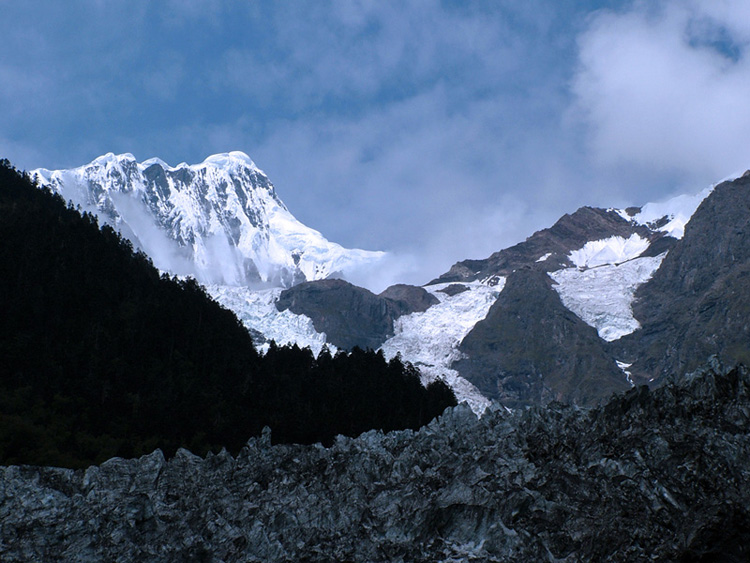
257, 311
601, 286
612, 250
430, 340
602, 297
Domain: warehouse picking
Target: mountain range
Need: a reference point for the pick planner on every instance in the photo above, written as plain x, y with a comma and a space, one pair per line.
104, 356
603, 300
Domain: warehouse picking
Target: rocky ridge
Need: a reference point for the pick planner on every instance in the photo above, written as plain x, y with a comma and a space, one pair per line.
353, 316
651, 475
698, 302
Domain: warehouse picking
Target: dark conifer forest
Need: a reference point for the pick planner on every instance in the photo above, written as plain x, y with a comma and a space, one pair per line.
102, 356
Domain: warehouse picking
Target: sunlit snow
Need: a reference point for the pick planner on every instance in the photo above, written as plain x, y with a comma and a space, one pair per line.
612, 250
220, 221
430, 340
678, 211
256, 310
602, 296
543, 258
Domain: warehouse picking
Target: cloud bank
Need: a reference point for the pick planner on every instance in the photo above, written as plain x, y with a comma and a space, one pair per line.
437, 131
664, 87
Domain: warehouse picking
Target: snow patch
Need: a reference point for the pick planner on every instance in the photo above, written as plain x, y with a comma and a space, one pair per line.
256, 309
612, 250
624, 367
677, 210
602, 297
430, 339
543, 258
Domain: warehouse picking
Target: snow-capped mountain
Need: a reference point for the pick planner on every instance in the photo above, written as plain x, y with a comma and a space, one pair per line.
220, 221
542, 320
572, 313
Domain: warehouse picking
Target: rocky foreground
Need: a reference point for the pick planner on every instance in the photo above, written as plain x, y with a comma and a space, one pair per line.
652, 475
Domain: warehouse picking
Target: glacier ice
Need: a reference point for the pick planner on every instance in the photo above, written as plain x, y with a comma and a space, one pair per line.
602, 296
612, 250
257, 311
430, 339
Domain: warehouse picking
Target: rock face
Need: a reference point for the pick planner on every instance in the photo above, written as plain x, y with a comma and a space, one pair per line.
409, 299
698, 301
353, 316
653, 475
570, 233
530, 349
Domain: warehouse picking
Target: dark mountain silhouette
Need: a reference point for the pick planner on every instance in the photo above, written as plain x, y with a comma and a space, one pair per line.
102, 356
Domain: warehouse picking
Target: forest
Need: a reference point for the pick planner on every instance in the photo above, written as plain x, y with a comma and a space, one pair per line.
101, 356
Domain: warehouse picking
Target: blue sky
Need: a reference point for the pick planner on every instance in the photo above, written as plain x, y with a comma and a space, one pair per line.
435, 130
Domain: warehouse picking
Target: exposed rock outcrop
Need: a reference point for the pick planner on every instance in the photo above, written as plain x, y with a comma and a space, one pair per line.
531, 349
353, 316
698, 301
653, 475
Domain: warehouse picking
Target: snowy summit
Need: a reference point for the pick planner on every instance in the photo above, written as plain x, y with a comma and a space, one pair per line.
220, 221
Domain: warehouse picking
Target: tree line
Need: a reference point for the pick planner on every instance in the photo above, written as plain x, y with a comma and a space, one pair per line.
102, 356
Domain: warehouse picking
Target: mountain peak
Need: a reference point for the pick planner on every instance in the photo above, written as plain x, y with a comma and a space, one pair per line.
230, 159
110, 158
220, 221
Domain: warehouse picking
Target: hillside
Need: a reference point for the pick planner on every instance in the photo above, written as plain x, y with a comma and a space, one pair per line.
103, 356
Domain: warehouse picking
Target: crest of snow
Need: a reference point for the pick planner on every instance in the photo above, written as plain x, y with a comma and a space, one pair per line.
257, 311
612, 250
678, 210
543, 258
219, 221
602, 297
430, 339
231, 159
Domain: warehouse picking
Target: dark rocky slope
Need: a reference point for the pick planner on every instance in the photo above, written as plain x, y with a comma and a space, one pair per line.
570, 232
530, 349
657, 475
353, 316
698, 302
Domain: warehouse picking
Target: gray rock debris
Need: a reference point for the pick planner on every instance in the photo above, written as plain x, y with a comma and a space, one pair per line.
652, 475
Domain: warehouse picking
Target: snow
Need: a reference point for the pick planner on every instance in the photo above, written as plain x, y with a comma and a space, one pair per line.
230, 159
156, 160
225, 222
256, 310
543, 258
602, 297
678, 210
612, 250
430, 339
624, 367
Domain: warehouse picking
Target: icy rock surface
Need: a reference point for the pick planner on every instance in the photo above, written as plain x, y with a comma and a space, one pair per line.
257, 311
652, 475
430, 339
671, 216
602, 297
612, 250
220, 221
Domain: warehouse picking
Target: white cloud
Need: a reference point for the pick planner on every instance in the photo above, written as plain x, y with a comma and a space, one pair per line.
664, 87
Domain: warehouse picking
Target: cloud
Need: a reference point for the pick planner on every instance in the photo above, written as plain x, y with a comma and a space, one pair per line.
664, 87
430, 129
